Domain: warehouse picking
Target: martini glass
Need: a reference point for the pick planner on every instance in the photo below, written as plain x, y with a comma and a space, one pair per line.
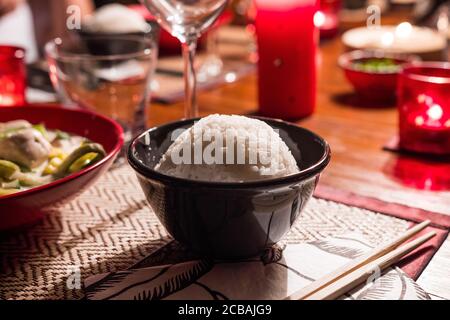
186, 20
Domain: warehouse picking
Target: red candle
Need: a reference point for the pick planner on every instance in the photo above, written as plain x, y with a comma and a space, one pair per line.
287, 43
12, 76
424, 105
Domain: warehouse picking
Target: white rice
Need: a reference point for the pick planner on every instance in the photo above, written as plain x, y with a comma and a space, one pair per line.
244, 149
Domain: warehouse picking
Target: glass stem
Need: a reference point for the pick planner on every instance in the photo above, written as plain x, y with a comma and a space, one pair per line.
211, 44
190, 81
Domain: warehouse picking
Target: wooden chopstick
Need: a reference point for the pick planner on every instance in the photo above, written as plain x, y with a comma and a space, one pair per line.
357, 277
356, 263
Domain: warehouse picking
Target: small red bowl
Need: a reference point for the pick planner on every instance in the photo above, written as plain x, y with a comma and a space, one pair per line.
26, 207
374, 87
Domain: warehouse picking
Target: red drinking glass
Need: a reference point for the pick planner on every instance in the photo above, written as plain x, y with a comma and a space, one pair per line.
287, 44
12, 76
424, 107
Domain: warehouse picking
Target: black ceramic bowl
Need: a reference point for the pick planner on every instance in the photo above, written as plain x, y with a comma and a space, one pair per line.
228, 220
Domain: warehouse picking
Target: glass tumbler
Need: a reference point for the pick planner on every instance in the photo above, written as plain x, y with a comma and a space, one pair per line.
108, 74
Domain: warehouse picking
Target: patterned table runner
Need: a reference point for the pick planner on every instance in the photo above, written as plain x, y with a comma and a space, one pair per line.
110, 227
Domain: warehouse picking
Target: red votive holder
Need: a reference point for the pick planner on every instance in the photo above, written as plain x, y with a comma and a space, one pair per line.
327, 18
12, 76
287, 43
424, 107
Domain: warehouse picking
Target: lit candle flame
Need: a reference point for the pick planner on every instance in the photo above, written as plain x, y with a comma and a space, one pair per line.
435, 112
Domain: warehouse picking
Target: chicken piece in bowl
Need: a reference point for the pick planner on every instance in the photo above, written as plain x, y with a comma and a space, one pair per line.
23, 144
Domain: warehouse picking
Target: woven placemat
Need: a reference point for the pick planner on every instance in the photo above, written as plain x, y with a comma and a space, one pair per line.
110, 227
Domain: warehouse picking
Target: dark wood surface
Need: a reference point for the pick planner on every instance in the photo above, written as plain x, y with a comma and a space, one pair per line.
356, 135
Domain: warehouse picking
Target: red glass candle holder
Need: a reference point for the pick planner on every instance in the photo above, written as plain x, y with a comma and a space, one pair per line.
12, 76
424, 107
327, 18
287, 44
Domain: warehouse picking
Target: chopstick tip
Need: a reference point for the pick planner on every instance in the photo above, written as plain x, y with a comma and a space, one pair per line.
425, 222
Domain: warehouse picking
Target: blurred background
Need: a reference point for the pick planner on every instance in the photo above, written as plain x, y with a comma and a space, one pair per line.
32, 23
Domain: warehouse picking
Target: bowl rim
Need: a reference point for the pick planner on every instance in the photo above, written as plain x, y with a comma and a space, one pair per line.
51, 49
115, 150
346, 60
309, 172
408, 72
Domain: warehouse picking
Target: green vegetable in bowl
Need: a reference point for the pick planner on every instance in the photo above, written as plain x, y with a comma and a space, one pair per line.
32, 155
12, 177
84, 161
61, 135
8, 169
14, 184
41, 128
380, 65
81, 158
5, 192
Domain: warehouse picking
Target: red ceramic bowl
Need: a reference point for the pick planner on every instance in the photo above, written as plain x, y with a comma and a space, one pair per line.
28, 206
373, 87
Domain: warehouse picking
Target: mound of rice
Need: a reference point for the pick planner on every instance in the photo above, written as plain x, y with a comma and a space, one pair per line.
223, 148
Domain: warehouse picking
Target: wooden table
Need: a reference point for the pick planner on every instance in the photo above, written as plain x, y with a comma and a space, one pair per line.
357, 136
